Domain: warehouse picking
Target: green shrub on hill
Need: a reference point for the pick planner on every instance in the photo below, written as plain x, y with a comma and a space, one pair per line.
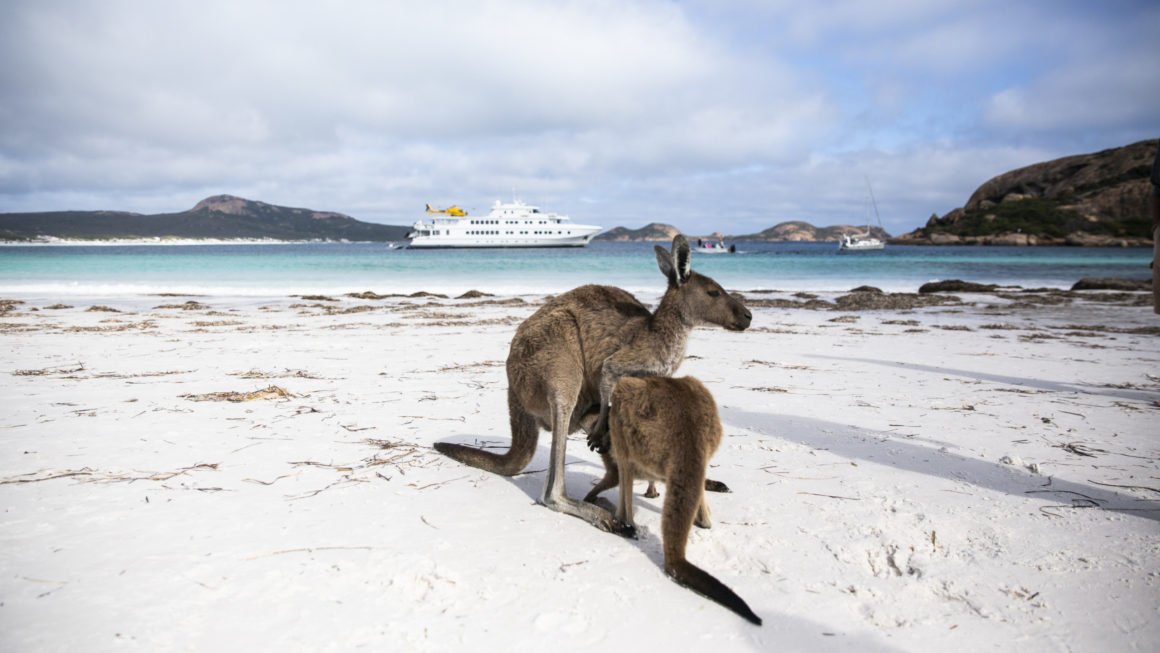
1046, 217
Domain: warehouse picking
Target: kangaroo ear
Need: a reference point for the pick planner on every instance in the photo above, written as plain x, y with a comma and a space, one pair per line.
682, 258
665, 263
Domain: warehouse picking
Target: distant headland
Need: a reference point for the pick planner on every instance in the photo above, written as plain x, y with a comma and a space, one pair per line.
1098, 199
221, 217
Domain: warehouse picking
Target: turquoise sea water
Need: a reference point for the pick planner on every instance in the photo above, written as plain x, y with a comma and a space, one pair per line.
269, 269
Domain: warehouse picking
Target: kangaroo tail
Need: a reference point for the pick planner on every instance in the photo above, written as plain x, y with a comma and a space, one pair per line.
684, 494
701, 582
525, 432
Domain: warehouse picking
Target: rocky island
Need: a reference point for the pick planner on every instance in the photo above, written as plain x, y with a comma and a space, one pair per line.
1098, 199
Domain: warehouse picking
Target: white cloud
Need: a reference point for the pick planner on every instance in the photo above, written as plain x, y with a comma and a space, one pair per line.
1089, 95
626, 111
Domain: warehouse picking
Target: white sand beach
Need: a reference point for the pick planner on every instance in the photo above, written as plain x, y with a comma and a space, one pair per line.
210, 473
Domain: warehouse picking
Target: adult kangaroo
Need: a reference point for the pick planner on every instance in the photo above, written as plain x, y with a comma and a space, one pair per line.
569, 353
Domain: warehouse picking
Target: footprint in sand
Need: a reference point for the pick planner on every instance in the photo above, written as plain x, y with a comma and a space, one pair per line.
576, 626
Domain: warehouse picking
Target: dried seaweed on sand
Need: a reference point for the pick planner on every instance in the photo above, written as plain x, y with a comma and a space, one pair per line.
187, 306
284, 374
79, 367
89, 475
269, 392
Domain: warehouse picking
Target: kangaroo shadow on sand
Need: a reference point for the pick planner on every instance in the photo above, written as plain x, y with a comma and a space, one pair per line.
579, 476
1127, 394
887, 449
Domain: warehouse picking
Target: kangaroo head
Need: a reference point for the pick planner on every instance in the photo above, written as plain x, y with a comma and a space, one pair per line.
702, 300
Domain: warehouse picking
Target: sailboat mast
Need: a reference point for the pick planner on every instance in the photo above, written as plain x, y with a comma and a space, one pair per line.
874, 204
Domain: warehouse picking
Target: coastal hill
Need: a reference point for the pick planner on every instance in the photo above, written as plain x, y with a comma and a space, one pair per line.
1088, 199
798, 231
652, 231
222, 217
793, 231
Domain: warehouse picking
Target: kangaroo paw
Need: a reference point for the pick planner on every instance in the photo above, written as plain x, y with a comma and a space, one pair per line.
624, 529
716, 486
589, 512
601, 502
599, 440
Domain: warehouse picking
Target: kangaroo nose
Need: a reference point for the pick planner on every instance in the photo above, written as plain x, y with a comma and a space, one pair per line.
746, 318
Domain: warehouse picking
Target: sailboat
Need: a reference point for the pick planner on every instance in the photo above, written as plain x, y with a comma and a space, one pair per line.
863, 242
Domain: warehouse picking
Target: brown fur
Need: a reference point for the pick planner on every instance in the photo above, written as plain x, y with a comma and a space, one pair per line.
666, 429
558, 363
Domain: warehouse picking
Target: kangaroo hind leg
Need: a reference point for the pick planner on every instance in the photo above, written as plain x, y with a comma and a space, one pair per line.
625, 524
554, 495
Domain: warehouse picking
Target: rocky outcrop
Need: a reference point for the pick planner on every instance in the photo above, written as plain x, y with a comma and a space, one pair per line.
784, 232
654, 231
797, 231
1108, 283
955, 285
1098, 199
1107, 184
872, 301
794, 231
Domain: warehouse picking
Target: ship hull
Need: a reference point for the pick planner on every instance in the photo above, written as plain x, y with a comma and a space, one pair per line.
424, 242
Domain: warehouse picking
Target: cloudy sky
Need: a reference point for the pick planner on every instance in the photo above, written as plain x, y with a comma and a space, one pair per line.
709, 115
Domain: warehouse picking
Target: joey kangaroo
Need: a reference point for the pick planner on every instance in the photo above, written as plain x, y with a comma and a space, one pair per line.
558, 364
666, 429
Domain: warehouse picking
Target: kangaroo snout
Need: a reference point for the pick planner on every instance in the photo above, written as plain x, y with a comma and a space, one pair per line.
742, 318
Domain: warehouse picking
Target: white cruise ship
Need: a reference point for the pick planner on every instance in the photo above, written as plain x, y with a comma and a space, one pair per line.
513, 224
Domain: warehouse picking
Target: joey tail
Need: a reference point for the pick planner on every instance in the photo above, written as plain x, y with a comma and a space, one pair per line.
703, 583
685, 494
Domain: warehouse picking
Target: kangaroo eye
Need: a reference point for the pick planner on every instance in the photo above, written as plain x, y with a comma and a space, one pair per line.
714, 293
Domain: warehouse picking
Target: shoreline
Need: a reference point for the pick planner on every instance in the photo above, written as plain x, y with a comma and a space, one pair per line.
1133, 292
966, 473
